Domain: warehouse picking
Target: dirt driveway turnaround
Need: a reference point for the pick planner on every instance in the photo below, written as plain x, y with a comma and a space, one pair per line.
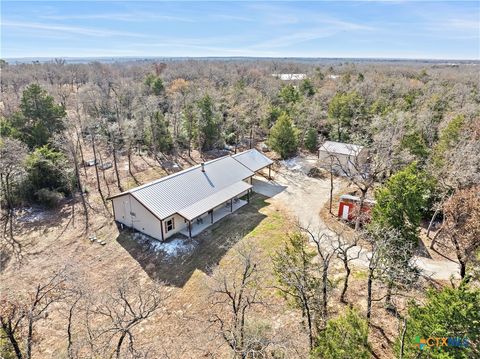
300, 195
303, 197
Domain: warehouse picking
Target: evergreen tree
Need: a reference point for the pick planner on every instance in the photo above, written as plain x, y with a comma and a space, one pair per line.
449, 136
307, 88
416, 144
273, 114
209, 128
450, 312
311, 140
289, 94
39, 118
48, 174
343, 111
344, 337
401, 201
283, 137
161, 139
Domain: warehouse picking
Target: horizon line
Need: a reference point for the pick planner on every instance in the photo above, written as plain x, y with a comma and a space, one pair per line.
237, 57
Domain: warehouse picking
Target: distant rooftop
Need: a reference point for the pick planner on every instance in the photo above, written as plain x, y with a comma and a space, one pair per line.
290, 77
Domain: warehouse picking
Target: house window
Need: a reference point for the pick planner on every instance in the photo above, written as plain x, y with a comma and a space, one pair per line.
170, 225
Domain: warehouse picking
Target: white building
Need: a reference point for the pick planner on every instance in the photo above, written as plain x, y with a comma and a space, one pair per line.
190, 200
342, 157
290, 77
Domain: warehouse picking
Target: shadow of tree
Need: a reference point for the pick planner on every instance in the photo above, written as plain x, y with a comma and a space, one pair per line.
209, 247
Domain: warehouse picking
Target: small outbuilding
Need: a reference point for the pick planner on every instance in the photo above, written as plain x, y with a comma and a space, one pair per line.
190, 200
348, 208
342, 157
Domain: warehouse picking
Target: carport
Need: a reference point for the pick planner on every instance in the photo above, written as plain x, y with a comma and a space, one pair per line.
255, 161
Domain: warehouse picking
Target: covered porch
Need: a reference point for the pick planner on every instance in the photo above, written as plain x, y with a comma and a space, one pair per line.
201, 223
206, 212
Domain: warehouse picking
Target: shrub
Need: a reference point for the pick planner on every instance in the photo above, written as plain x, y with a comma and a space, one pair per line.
344, 337
48, 198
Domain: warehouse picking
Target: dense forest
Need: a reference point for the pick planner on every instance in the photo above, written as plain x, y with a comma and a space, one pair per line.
420, 122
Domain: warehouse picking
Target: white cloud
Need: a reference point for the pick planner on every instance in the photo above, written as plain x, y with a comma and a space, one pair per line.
130, 16
70, 29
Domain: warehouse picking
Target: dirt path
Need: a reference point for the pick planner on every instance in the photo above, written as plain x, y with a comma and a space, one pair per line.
303, 197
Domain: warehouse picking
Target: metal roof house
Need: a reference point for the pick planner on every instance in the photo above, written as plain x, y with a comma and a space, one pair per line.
181, 202
290, 77
343, 157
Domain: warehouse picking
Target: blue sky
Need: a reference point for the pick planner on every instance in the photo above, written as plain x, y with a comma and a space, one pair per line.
385, 29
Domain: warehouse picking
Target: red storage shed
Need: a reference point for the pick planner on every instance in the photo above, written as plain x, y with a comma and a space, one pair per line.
348, 207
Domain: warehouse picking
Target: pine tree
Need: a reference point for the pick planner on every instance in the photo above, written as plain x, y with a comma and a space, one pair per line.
311, 140
344, 337
401, 201
209, 128
39, 119
283, 137
450, 312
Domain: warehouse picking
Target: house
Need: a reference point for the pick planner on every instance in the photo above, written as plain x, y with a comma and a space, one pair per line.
343, 157
190, 200
348, 208
290, 77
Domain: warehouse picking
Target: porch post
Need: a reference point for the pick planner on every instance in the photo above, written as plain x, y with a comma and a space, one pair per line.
248, 196
269, 172
211, 216
189, 229
161, 230
231, 205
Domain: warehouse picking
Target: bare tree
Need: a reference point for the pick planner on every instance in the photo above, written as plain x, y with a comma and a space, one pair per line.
71, 145
364, 168
347, 251
298, 280
12, 171
235, 294
462, 225
120, 309
389, 261
326, 251
19, 314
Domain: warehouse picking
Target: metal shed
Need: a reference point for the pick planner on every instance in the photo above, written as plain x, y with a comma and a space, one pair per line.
342, 157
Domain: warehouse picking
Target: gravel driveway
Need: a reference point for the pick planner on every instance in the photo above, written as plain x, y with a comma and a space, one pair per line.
303, 197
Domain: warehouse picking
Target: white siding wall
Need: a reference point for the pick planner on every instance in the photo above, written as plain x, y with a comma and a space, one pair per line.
133, 214
179, 225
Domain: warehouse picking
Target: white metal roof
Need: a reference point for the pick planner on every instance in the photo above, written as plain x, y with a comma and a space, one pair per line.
290, 77
341, 148
168, 195
253, 159
356, 198
216, 199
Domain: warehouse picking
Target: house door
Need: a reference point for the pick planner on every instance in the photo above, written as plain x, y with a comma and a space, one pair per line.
345, 211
